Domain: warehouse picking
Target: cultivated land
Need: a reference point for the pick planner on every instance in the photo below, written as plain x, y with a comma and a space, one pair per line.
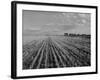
57, 52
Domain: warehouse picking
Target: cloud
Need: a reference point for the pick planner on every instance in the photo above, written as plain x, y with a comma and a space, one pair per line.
40, 23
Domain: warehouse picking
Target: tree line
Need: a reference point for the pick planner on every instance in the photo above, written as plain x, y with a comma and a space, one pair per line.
77, 35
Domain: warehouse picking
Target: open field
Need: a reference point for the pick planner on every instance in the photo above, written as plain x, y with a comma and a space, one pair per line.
57, 52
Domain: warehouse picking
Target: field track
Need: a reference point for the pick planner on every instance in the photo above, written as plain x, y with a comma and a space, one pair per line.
57, 52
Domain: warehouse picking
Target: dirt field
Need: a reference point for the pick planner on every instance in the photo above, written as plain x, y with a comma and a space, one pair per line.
57, 52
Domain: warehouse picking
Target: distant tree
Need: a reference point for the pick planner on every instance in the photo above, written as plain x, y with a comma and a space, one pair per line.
77, 35
65, 34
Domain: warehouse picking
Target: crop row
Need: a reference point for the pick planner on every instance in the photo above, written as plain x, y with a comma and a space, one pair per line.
56, 53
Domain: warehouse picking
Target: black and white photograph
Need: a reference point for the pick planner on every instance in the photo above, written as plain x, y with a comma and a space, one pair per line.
56, 39
53, 39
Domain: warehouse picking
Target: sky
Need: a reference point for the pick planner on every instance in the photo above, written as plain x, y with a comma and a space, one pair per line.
54, 23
